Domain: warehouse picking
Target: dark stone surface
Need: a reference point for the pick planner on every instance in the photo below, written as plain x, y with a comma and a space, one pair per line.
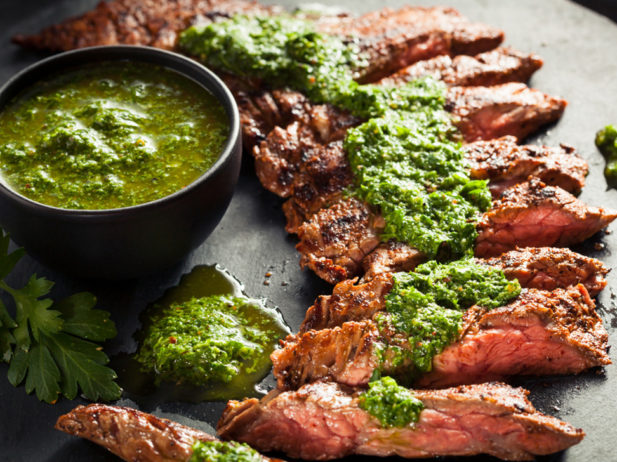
578, 46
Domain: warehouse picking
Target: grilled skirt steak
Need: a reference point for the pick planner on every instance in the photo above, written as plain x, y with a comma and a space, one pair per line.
549, 268
494, 67
323, 421
485, 113
130, 434
505, 163
545, 268
533, 214
539, 333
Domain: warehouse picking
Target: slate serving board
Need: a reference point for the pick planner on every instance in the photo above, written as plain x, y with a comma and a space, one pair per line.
578, 46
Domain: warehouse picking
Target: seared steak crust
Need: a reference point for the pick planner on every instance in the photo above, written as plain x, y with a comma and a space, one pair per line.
539, 333
130, 434
335, 240
494, 67
533, 214
323, 421
485, 113
154, 23
390, 257
506, 163
549, 268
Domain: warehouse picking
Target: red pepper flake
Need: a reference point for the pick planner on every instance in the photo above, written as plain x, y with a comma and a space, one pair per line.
28, 185
268, 274
173, 340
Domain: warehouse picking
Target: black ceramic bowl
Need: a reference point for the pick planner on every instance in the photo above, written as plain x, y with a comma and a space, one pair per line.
132, 241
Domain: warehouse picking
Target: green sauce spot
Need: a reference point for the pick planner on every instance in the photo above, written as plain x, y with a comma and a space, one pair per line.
424, 309
391, 404
403, 157
109, 135
606, 141
220, 451
210, 340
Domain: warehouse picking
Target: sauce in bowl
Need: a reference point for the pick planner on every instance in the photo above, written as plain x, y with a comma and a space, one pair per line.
109, 135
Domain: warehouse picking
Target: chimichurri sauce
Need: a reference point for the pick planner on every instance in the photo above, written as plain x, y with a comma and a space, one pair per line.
202, 341
606, 141
391, 404
222, 451
405, 158
109, 135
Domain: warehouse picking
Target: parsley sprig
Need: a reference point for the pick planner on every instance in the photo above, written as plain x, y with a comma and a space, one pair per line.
51, 345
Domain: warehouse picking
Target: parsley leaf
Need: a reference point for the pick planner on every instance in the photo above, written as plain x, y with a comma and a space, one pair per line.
51, 346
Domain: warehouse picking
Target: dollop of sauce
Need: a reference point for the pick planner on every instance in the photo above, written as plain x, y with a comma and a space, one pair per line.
109, 135
203, 340
391, 404
606, 141
425, 309
220, 451
405, 158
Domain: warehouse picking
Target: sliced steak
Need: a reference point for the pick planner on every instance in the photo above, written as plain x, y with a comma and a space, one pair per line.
533, 214
393, 39
485, 113
336, 239
539, 333
154, 23
505, 163
130, 434
549, 268
494, 67
323, 421
391, 257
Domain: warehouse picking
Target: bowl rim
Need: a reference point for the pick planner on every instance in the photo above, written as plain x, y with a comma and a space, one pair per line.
169, 60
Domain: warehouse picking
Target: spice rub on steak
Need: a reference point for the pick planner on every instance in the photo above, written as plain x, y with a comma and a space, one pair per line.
533, 214
485, 113
546, 268
549, 268
538, 333
505, 163
323, 421
494, 67
130, 434
153, 23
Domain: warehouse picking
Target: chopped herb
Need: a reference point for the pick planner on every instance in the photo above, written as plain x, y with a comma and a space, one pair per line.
391, 404
52, 346
219, 451
606, 141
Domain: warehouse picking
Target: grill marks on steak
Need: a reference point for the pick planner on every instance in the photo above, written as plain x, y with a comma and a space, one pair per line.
539, 333
393, 39
494, 67
505, 163
485, 113
136, 22
533, 214
323, 421
130, 434
549, 268
336, 239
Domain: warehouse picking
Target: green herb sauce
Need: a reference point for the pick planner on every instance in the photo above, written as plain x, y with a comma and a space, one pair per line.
404, 157
209, 339
109, 135
606, 141
220, 451
391, 404
425, 308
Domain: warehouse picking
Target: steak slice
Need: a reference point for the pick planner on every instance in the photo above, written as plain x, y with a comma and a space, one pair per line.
549, 268
505, 163
494, 67
485, 113
323, 421
533, 214
393, 39
336, 239
391, 257
546, 268
130, 434
539, 333
153, 23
